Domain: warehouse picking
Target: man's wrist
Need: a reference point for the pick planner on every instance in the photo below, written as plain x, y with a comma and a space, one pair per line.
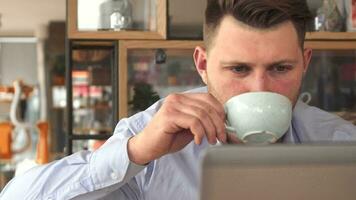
135, 153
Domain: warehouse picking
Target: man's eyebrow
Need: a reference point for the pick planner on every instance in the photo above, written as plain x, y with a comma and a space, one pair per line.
235, 63
280, 62
240, 63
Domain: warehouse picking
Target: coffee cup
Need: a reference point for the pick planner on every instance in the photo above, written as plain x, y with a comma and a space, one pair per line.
258, 117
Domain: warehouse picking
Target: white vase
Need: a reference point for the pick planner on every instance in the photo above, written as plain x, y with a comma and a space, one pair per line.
115, 14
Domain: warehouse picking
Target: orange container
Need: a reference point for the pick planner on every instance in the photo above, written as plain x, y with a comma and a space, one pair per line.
42, 144
5, 140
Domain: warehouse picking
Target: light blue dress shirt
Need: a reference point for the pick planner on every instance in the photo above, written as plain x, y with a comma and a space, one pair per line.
108, 173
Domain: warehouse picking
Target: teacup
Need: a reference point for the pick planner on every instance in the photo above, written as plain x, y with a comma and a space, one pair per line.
258, 117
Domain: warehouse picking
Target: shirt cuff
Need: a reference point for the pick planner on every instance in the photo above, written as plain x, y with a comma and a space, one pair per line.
110, 164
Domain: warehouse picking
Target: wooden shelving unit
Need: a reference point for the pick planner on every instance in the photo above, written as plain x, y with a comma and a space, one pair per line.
333, 36
156, 39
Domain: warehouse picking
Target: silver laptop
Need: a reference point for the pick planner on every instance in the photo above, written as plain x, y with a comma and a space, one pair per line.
280, 172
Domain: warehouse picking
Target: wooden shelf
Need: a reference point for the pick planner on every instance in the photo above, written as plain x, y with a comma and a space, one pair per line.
26, 89
331, 36
331, 44
97, 131
160, 32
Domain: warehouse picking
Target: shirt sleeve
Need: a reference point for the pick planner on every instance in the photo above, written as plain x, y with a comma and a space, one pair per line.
97, 173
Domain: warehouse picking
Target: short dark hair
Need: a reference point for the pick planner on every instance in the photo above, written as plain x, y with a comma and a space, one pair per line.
261, 14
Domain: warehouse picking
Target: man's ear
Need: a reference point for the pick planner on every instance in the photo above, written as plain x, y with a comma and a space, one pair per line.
307, 57
200, 61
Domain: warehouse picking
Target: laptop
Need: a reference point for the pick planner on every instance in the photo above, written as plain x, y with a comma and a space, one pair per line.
279, 172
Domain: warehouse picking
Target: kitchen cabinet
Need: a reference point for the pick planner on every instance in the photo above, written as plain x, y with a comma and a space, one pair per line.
330, 81
149, 70
331, 78
92, 97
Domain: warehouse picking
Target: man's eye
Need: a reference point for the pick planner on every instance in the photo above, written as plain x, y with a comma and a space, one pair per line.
240, 69
281, 68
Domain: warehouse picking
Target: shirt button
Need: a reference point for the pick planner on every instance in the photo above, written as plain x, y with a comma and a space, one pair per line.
113, 175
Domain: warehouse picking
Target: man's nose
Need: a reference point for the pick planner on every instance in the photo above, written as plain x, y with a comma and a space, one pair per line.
259, 82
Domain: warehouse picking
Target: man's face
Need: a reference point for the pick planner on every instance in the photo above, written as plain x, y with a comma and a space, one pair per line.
243, 59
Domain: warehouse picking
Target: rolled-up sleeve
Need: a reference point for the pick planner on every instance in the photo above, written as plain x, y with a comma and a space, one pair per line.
106, 173
97, 173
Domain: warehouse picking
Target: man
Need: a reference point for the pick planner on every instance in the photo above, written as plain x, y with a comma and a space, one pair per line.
250, 46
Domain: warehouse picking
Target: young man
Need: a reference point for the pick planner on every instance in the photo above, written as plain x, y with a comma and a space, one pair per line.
250, 46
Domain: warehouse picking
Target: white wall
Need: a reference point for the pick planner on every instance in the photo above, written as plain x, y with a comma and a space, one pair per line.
18, 61
22, 17
187, 12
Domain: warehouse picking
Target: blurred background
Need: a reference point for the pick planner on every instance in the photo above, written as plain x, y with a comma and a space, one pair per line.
59, 85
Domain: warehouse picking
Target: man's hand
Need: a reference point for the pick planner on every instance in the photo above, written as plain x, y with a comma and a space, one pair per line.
181, 119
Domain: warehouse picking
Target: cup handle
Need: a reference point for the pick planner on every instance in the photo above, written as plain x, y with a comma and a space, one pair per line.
229, 129
306, 97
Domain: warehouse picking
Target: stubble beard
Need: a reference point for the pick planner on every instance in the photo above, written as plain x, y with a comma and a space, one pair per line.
213, 91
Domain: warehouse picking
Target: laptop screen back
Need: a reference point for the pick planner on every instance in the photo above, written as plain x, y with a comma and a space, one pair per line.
274, 172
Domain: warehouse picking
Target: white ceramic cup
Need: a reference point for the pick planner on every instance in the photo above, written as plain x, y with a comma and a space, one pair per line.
258, 117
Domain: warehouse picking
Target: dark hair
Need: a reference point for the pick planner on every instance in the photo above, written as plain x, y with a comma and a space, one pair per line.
261, 14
